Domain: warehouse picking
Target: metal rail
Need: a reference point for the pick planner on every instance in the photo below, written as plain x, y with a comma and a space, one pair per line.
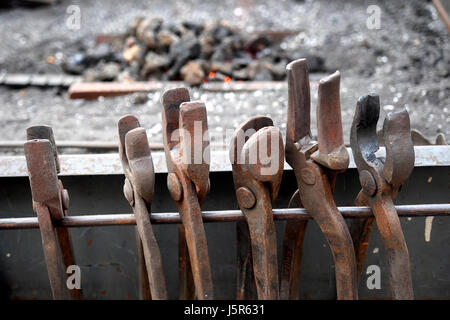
419, 210
109, 164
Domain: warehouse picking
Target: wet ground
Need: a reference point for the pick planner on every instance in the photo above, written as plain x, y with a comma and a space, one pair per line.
406, 61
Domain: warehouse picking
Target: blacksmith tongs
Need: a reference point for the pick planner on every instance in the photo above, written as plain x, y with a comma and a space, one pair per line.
186, 145
315, 166
134, 152
50, 202
381, 179
257, 158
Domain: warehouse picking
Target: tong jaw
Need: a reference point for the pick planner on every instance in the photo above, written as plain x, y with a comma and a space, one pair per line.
43, 168
376, 172
256, 147
399, 148
195, 153
331, 152
184, 122
136, 158
299, 103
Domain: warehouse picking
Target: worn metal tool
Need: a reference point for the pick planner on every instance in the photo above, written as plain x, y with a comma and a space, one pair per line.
186, 145
138, 188
315, 166
381, 179
50, 202
257, 158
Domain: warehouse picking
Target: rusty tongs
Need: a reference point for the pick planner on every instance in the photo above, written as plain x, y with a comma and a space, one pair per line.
186, 146
257, 158
315, 166
136, 158
381, 179
50, 202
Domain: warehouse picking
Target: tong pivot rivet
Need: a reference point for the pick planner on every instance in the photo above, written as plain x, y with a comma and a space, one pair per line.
308, 176
245, 197
174, 185
368, 182
65, 199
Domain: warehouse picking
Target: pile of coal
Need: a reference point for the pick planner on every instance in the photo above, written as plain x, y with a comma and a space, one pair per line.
195, 53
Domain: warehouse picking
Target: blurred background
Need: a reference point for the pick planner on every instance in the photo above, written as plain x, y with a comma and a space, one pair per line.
398, 49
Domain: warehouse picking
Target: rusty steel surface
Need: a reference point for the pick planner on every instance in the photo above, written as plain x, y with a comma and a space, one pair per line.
256, 190
315, 166
94, 90
294, 234
138, 189
187, 158
381, 179
50, 202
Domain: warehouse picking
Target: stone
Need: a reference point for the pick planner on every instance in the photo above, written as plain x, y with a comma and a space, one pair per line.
166, 38
148, 24
195, 27
74, 64
131, 53
130, 41
153, 63
109, 71
258, 43
149, 39
222, 67
133, 26
192, 73
188, 46
140, 98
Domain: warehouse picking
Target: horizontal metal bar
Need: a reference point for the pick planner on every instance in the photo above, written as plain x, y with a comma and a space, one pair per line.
109, 163
420, 210
93, 90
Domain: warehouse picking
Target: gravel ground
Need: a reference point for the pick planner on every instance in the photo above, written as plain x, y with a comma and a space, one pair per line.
406, 61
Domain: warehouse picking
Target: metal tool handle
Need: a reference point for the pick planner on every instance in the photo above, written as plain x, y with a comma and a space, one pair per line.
360, 230
191, 216
395, 246
257, 170
294, 233
316, 196
152, 255
55, 271
245, 276
264, 249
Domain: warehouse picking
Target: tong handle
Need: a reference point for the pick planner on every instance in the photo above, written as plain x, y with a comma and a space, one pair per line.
140, 163
395, 245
